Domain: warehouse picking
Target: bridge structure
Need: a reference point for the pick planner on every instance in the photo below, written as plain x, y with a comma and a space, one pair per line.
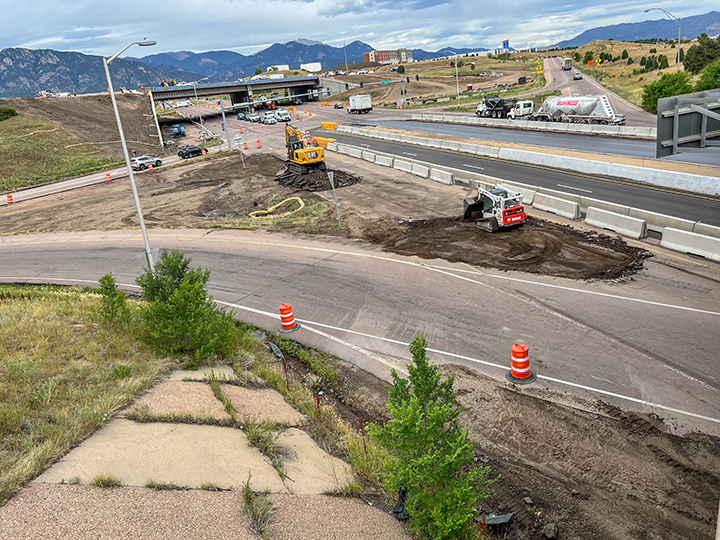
241, 92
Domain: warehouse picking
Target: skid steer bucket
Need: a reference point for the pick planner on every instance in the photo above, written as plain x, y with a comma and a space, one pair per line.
473, 208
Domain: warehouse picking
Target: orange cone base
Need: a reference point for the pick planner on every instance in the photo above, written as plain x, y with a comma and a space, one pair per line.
527, 380
284, 331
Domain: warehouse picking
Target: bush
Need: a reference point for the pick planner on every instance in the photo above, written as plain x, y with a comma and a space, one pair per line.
433, 458
651, 63
113, 305
576, 57
624, 54
6, 113
709, 78
588, 57
653, 50
703, 53
181, 317
630, 61
401, 69
670, 84
643, 61
663, 62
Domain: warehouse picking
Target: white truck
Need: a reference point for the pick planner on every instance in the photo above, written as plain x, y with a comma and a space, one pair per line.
497, 107
566, 64
578, 110
360, 104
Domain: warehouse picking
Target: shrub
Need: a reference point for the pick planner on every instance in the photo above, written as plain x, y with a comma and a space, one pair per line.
588, 57
6, 113
703, 53
643, 61
113, 304
630, 61
624, 54
401, 69
709, 78
576, 57
651, 63
433, 458
663, 62
170, 271
670, 84
653, 50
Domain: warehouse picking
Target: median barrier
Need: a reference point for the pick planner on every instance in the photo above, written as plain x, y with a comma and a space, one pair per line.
468, 148
450, 145
528, 193
441, 176
420, 170
385, 161
333, 146
554, 205
587, 202
401, 165
434, 143
707, 230
689, 242
368, 156
621, 224
658, 222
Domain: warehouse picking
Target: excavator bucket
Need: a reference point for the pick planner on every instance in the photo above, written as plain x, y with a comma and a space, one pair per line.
473, 209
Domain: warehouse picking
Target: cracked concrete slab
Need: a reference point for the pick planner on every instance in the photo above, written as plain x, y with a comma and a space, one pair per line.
309, 469
260, 404
182, 454
182, 397
202, 373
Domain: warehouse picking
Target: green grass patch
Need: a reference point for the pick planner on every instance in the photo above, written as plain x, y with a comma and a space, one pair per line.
34, 151
258, 508
62, 375
106, 481
165, 486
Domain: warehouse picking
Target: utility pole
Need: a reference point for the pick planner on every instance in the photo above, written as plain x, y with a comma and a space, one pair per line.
402, 80
344, 51
457, 81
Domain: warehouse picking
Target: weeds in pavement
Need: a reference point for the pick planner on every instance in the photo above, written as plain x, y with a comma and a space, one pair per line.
218, 394
209, 486
165, 486
106, 481
258, 508
141, 413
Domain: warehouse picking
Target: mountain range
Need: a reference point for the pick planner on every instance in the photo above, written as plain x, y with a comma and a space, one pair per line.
690, 28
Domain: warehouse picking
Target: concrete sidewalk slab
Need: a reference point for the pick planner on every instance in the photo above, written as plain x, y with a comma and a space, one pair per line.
181, 397
259, 404
182, 454
50, 511
203, 373
312, 470
309, 517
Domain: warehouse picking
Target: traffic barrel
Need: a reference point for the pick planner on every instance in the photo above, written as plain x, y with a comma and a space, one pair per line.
241, 131
10, 199
287, 319
204, 152
215, 124
107, 177
245, 146
520, 365
258, 144
150, 166
298, 116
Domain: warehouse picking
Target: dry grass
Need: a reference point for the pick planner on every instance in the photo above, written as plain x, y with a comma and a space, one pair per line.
60, 376
34, 151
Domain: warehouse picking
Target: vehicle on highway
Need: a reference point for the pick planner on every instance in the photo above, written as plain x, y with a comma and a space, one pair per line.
282, 116
360, 104
268, 117
141, 163
339, 105
578, 110
241, 116
252, 117
577, 76
190, 151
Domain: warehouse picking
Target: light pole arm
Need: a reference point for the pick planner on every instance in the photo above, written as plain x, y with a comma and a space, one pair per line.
148, 250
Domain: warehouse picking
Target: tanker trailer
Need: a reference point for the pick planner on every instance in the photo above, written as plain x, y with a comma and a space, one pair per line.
579, 110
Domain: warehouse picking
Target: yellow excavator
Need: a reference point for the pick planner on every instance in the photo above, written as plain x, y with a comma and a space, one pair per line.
303, 154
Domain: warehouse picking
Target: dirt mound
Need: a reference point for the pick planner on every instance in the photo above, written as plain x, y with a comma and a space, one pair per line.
539, 246
317, 180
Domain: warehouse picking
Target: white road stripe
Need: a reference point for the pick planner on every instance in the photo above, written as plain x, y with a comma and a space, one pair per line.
575, 188
410, 154
473, 166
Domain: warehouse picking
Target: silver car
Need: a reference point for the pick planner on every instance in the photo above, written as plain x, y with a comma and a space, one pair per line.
268, 118
143, 162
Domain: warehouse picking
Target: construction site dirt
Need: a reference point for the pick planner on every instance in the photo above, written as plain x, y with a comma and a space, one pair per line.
595, 471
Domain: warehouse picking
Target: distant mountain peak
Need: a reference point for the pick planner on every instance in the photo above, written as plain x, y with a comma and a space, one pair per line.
308, 42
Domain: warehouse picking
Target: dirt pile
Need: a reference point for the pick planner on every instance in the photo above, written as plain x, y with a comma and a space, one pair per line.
317, 180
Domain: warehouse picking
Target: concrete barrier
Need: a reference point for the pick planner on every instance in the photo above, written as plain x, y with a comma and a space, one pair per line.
420, 170
527, 192
354, 151
689, 242
658, 222
368, 156
468, 148
561, 207
401, 165
441, 176
385, 161
621, 224
450, 145
333, 146
707, 230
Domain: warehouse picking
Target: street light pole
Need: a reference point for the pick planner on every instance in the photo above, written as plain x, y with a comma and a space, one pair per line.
199, 113
345, 51
676, 20
457, 81
106, 63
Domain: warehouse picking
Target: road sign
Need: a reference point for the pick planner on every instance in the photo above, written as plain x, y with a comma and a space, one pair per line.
538, 69
597, 62
385, 82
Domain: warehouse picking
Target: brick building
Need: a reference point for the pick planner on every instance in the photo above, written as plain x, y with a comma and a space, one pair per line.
396, 56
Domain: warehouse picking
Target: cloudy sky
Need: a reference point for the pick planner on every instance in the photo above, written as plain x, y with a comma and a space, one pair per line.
247, 26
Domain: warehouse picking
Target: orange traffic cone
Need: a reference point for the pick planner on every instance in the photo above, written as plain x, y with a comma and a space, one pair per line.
107, 177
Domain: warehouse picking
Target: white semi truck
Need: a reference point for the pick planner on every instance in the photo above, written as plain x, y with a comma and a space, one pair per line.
578, 110
360, 104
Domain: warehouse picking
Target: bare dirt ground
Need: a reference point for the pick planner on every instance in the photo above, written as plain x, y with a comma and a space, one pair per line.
596, 471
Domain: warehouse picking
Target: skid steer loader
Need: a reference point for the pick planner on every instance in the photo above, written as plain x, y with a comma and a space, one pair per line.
492, 210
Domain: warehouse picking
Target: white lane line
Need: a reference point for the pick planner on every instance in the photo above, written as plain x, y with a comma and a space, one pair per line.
473, 166
444, 353
575, 188
410, 154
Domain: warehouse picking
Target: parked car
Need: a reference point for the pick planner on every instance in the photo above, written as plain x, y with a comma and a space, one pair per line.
252, 117
577, 76
268, 117
143, 162
339, 105
190, 151
241, 116
282, 116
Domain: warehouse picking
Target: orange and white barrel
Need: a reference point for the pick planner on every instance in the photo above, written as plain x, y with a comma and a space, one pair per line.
287, 319
520, 365
10, 199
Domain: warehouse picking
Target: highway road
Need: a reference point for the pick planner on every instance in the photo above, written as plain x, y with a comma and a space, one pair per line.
665, 201
644, 344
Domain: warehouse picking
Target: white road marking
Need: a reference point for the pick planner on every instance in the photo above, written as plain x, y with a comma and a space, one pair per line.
473, 166
575, 188
410, 154
306, 322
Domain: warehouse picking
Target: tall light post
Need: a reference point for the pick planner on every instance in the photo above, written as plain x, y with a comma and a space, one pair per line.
345, 51
199, 113
106, 63
676, 20
457, 81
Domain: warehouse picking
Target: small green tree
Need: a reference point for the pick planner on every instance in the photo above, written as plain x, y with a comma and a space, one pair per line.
704, 52
588, 57
258, 71
433, 457
663, 62
630, 61
709, 77
643, 61
401, 69
171, 269
682, 55
624, 54
651, 63
113, 304
653, 50
576, 57
670, 84
6, 113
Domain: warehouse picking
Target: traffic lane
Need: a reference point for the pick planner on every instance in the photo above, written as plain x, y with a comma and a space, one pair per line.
664, 201
584, 143
376, 302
